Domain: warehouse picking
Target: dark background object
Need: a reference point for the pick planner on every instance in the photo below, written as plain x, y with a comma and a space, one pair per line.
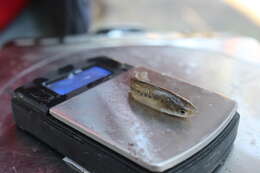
168, 15
68, 17
120, 30
50, 18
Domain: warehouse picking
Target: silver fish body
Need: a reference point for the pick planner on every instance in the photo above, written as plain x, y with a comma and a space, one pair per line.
160, 99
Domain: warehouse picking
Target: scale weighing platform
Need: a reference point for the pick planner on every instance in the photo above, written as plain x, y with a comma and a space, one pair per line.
83, 111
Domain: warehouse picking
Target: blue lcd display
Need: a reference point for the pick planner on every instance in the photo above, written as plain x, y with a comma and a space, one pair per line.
76, 81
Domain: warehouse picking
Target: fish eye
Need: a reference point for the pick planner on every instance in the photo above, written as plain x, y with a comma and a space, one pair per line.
182, 111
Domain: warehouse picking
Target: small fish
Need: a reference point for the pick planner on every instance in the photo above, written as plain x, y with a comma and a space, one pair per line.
160, 99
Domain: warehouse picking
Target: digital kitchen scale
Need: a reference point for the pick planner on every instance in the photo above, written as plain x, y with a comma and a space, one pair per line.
83, 111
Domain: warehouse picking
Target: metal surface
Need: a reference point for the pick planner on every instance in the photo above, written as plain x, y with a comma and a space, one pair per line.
227, 65
153, 140
74, 165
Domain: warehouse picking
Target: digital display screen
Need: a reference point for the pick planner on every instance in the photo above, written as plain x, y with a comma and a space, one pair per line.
76, 81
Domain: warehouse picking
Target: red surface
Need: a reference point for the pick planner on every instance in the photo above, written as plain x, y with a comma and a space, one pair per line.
9, 9
20, 152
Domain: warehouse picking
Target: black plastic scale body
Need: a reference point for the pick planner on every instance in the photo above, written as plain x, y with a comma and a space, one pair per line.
32, 102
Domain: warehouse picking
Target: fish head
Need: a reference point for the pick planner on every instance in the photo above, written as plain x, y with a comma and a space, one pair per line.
181, 109
189, 107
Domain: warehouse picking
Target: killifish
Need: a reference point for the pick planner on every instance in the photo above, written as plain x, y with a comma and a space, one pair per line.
160, 99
